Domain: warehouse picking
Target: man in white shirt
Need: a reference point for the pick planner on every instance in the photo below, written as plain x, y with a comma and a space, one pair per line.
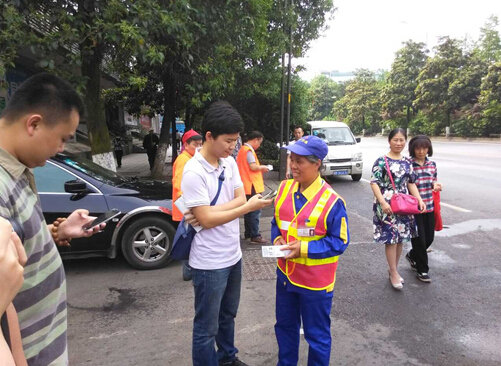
215, 257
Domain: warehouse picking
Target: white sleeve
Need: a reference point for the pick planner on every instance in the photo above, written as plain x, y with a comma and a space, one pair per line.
237, 181
195, 190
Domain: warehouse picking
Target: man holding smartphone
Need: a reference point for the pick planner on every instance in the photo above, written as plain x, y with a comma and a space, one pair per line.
40, 117
215, 256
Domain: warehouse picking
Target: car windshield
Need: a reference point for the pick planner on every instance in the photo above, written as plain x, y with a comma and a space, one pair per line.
335, 135
92, 169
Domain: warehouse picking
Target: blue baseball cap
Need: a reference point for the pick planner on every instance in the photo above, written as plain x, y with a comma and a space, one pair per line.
309, 145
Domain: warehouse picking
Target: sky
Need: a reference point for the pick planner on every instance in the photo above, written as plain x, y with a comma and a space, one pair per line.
367, 33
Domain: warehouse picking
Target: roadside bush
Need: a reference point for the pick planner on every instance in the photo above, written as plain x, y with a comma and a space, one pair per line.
268, 151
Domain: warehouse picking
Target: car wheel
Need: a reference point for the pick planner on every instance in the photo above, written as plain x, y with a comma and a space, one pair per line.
356, 177
147, 242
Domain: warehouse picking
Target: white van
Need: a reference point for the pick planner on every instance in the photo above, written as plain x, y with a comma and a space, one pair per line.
345, 156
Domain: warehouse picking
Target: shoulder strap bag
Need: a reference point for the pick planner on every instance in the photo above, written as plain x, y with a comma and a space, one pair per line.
401, 203
185, 233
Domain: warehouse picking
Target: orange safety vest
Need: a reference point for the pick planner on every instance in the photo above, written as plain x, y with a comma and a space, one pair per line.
312, 274
249, 178
177, 175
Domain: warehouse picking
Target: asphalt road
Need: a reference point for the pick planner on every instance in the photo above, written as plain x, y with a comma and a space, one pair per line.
119, 316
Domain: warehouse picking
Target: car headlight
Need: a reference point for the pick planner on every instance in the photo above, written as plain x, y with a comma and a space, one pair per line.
326, 159
357, 157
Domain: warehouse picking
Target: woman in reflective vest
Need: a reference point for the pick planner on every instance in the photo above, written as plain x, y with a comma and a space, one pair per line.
311, 222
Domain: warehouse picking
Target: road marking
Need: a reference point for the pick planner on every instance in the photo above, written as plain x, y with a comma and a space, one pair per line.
454, 207
365, 180
470, 226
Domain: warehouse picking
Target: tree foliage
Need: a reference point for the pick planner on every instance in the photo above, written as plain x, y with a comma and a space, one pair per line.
399, 92
360, 107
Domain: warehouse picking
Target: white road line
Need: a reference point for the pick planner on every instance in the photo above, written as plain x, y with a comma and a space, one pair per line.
454, 207
365, 180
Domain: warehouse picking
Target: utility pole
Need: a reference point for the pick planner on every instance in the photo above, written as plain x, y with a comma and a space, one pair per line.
282, 91
287, 131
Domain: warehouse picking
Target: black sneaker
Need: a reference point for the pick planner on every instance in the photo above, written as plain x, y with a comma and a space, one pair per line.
423, 277
235, 362
411, 261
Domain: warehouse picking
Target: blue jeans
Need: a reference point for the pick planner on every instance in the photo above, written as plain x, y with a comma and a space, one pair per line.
251, 221
313, 308
217, 296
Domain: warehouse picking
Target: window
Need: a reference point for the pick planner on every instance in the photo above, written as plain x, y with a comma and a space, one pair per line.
51, 179
335, 135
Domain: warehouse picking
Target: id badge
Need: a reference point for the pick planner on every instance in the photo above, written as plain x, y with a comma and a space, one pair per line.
306, 232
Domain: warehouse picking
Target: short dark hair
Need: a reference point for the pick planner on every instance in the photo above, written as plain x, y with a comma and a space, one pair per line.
395, 131
296, 127
194, 138
420, 141
47, 94
220, 119
253, 135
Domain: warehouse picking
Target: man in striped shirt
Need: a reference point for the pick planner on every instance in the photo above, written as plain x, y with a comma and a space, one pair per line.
41, 116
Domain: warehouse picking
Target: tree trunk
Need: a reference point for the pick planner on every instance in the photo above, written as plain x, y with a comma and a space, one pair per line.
169, 113
96, 122
408, 119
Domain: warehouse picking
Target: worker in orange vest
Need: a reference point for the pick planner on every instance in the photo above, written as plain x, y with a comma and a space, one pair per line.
311, 223
251, 173
191, 141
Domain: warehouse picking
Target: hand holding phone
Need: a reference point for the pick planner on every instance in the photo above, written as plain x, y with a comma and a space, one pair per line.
107, 216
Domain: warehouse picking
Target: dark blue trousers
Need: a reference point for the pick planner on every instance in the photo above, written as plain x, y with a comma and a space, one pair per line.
217, 296
313, 308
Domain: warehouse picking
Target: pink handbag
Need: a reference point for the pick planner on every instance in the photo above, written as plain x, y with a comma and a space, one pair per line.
401, 203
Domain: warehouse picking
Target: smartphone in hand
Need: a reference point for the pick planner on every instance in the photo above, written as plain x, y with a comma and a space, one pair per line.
269, 195
107, 216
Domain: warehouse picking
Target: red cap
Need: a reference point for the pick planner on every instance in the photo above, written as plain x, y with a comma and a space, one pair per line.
190, 134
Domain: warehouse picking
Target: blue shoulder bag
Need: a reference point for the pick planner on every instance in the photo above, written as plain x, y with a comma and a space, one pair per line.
184, 236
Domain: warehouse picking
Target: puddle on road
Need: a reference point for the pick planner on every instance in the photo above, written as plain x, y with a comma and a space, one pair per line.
470, 226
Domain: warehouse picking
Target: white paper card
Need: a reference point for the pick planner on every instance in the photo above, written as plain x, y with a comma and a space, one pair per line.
270, 167
273, 251
181, 206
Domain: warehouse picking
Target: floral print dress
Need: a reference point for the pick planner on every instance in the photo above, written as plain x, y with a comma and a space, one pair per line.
392, 229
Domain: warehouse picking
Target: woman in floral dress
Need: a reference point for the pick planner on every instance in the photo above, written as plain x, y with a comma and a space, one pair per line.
390, 229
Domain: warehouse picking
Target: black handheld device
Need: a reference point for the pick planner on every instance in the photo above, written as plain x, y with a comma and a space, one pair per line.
107, 216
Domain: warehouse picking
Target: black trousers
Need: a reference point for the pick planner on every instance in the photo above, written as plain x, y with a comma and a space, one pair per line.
119, 154
426, 234
151, 157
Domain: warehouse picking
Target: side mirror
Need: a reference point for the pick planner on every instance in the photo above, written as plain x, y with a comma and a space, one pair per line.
75, 187
357, 139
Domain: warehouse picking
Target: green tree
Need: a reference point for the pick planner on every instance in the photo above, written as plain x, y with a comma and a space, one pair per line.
490, 42
12, 34
399, 92
490, 100
361, 102
323, 93
66, 35
435, 79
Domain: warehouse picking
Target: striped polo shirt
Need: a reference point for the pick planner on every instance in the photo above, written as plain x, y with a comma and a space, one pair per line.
41, 302
426, 176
